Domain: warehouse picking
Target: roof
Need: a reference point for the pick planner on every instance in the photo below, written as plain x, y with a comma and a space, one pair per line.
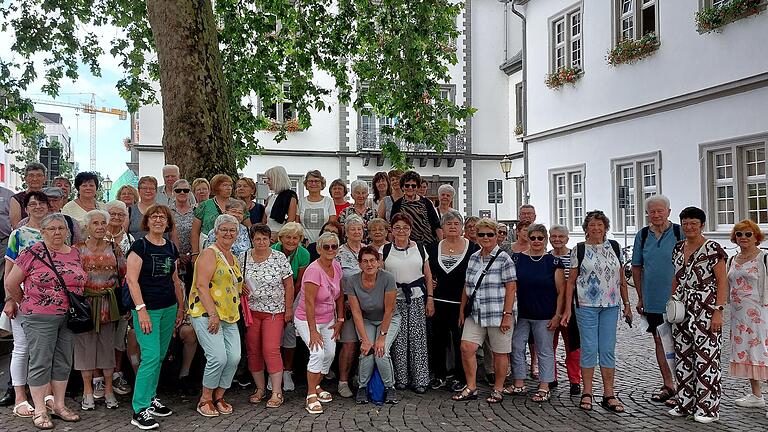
47, 117
513, 64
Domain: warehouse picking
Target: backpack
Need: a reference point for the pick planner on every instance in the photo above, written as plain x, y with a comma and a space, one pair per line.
580, 249
388, 248
645, 230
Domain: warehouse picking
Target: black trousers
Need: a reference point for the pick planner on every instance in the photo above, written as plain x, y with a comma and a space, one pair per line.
446, 330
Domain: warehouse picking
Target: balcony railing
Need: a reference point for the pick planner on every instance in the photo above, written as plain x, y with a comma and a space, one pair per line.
373, 140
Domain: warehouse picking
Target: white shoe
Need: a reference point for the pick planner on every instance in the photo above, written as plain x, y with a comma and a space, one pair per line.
750, 401
288, 384
704, 419
98, 388
88, 403
675, 413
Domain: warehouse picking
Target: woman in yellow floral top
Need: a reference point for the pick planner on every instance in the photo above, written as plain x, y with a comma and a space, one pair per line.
213, 307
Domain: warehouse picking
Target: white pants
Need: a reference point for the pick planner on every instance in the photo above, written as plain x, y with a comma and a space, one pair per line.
20, 353
320, 359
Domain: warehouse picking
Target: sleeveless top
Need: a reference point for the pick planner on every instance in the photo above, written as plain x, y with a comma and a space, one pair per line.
225, 288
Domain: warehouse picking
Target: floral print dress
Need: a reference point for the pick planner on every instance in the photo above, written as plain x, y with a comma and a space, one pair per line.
749, 322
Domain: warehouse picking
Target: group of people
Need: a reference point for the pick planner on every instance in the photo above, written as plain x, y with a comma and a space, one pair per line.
407, 288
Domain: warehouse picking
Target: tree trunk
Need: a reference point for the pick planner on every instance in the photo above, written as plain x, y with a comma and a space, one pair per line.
196, 130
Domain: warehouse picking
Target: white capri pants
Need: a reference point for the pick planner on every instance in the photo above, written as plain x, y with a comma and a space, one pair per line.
320, 359
20, 353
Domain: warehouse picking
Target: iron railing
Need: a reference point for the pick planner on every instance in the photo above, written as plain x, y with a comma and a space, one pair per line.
373, 140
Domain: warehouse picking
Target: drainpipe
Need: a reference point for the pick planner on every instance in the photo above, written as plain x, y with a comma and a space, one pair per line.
525, 102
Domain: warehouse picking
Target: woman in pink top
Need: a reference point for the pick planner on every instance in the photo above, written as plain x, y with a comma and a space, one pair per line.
319, 317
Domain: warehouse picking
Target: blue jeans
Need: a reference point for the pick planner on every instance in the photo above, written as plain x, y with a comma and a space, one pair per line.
597, 327
222, 352
544, 349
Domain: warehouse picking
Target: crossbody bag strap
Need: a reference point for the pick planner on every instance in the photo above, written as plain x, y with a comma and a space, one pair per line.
51, 265
482, 275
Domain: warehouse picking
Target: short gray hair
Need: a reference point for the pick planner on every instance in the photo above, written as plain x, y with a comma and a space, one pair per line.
563, 229
353, 219
180, 182
116, 204
658, 198
358, 185
234, 202
446, 188
325, 238
52, 217
451, 215
225, 218
537, 227
89, 216
171, 167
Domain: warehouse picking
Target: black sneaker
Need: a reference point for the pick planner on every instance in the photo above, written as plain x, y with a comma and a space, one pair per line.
158, 409
455, 386
390, 396
575, 389
362, 396
419, 389
144, 421
553, 384
436, 383
9, 398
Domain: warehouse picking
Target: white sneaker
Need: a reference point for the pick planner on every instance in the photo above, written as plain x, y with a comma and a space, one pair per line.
344, 390
111, 401
674, 412
88, 403
288, 384
704, 419
750, 401
98, 388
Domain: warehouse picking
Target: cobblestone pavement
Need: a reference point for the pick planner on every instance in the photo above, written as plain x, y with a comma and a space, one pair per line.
636, 379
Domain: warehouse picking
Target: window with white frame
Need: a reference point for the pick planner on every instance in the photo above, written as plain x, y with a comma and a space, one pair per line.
566, 40
567, 186
283, 109
640, 175
736, 187
635, 18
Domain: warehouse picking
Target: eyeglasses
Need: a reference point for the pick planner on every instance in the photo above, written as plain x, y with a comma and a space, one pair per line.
117, 215
37, 204
536, 238
182, 190
228, 230
54, 229
314, 181
158, 217
143, 188
411, 186
486, 234
502, 233
332, 246
747, 234
401, 228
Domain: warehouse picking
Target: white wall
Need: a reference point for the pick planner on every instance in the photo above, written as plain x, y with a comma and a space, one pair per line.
151, 164
482, 171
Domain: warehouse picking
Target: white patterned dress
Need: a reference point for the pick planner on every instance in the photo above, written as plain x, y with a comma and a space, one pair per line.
749, 322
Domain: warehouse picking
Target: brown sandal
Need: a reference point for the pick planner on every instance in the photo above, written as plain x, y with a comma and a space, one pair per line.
223, 407
495, 397
66, 414
42, 421
207, 409
257, 396
275, 401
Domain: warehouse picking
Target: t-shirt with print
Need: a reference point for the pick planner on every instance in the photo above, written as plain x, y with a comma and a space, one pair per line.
348, 260
599, 276
224, 288
329, 289
156, 274
43, 293
371, 301
314, 215
266, 292
20, 239
536, 289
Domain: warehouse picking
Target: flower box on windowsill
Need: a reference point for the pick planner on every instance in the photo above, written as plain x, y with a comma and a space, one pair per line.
519, 129
714, 18
631, 50
566, 75
291, 125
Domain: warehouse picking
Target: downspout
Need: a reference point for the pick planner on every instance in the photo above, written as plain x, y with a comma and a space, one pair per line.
526, 193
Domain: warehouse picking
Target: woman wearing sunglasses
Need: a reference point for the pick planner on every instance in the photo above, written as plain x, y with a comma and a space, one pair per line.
749, 311
426, 225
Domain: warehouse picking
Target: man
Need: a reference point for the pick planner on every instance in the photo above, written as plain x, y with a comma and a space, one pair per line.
5, 231
65, 185
526, 213
56, 199
34, 177
165, 194
652, 273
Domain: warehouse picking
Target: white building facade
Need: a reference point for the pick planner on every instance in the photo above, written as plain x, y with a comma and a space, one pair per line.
687, 121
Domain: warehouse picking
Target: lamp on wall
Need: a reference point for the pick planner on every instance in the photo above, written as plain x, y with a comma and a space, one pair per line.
506, 167
107, 184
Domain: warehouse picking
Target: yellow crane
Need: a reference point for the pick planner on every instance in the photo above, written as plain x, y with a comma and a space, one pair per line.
91, 109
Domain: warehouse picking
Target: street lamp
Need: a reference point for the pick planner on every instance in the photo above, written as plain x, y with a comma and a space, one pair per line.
506, 167
107, 184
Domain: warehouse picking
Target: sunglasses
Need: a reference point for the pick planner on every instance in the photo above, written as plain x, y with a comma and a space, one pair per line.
332, 246
536, 238
502, 233
181, 190
410, 186
747, 234
490, 234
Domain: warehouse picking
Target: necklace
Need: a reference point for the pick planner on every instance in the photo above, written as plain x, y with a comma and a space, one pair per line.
535, 260
745, 257
399, 248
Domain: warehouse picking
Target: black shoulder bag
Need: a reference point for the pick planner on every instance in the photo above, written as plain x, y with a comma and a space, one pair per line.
471, 300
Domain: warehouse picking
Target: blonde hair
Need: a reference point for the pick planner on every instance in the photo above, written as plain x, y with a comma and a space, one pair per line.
291, 228
487, 223
279, 178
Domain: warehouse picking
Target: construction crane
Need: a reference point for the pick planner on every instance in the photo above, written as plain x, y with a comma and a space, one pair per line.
91, 109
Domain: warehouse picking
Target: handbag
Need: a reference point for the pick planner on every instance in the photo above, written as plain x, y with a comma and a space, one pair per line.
675, 311
79, 315
471, 300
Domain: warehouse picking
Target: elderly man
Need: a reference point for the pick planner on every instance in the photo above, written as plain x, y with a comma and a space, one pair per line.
34, 177
652, 272
165, 194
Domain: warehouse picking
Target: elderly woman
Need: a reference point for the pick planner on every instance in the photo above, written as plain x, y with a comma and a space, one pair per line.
448, 262
147, 198
94, 350
596, 285
470, 228
319, 316
34, 177
486, 311
445, 194
86, 184
237, 209
384, 210
522, 243
378, 231
207, 211
339, 193
426, 225
269, 281
330, 226
540, 293
184, 215
372, 296
315, 209
360, 207
749, 311
283, 203
701, 283
245, 190
214, 309
381, 190
201, 189
127, 194
157, 295
408, 261
47, 269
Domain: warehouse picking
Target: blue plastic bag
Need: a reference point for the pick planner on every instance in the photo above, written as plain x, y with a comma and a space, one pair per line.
375, 389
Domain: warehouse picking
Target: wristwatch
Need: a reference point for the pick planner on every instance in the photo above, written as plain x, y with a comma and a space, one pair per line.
508, 313
140, 307
720, 307
383, 333
340, 319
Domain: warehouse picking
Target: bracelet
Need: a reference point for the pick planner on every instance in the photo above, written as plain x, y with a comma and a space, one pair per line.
626, 303
140, 307
507, 313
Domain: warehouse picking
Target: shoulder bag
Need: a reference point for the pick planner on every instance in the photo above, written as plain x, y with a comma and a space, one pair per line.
471, 300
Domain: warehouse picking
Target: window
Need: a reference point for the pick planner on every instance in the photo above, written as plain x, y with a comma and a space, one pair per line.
640, 176
282, 110
736, 186
635, 18
519, 104
566, 40
2, 173
567, 190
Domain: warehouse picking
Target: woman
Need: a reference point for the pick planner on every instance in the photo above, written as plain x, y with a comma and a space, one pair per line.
127, 194
425, 226
35, 205
558, 238
245, 190
385, 207
315, 209
283, 203
184, 216
360, 207
490, 283
381, 190
522, 243
319, 317
596, 284
749, 311
201, 189
445, 194
378, 231
701, 283
269, 283
147, 198
43, 303
540, 292
207, 211
94, 350
339, 195
330, 226
86, 184
213, 307
448, 262
372, 296
158, 296
237, 209
408, 262
502, 238
470, 228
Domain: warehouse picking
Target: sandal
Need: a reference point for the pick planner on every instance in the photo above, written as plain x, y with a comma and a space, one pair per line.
65, 414
223, 407
514, 391
256, 397
671, 402
207, 409
30, 410
495, 397
663, 395
540, 396
314, 407
586, 406
323, 396
465, 395
617, 407
275, 401
42, 421
49, 406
